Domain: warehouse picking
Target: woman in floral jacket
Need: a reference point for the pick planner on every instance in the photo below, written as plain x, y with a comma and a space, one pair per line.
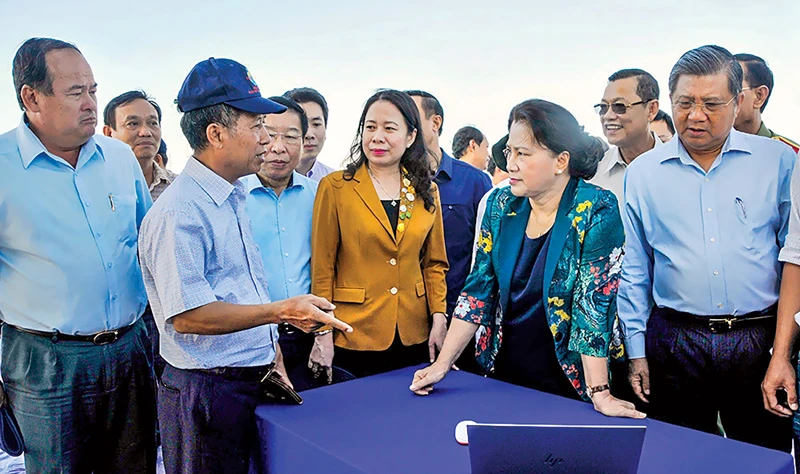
542, 292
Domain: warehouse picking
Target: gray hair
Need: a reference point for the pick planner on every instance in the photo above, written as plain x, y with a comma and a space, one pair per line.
195, 122
706, 61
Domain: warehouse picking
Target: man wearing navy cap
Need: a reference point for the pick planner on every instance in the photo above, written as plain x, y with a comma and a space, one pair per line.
206, 280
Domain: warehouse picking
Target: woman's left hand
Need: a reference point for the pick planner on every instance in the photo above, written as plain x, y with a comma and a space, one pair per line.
609, 405
438, 333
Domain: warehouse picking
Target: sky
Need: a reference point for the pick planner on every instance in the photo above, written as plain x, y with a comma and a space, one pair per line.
478, 58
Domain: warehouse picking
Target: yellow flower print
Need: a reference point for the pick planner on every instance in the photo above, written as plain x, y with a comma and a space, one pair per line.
584, 206
562, 314
581, 234
554, 329
485, 242
555, 301
576, 220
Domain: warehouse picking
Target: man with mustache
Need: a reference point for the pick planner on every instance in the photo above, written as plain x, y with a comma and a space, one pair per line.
705, 217
206, 280
629, 104
74, 362
135, 119
280, 202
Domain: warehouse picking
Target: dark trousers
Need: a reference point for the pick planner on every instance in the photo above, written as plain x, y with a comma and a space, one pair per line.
366, 363
296, 347
153, 337
82, 408
696, 374
207, 422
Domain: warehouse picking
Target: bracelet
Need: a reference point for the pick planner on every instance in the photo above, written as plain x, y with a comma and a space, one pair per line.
322, 333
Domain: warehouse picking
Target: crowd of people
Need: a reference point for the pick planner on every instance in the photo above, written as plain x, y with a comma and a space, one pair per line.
657, 275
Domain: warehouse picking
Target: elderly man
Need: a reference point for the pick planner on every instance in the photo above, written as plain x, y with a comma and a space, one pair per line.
280, 202
135, 118
705, 217
71, 292
206, 280
629, 104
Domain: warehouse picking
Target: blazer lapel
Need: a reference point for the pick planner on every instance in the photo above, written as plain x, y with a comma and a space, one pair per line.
509, 243
559, 235
366, 191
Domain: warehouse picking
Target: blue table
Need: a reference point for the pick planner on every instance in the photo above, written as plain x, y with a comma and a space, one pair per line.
376, 425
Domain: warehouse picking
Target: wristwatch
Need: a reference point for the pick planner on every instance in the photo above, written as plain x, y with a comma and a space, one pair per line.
590, 391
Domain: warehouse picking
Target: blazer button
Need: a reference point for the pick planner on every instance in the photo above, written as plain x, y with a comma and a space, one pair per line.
393, 290
392, 262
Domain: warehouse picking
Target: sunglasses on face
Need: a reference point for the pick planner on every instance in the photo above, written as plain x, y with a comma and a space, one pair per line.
619, 108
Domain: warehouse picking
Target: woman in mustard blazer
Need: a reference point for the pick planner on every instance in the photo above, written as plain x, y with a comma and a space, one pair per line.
377, 247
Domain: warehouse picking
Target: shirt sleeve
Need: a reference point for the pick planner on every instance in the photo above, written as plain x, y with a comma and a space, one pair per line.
434, 262
635, 297
594, 307
324, 240
174, 253
789, 208
478, 219
143, 200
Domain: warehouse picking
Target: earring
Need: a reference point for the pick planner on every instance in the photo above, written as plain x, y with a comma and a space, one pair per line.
559, 171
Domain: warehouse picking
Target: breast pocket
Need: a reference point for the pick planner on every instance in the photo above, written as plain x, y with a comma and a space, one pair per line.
757, 220
121, 216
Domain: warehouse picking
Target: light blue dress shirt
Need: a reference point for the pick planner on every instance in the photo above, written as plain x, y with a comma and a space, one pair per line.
68, 235
282, 230
703, 243
196, 247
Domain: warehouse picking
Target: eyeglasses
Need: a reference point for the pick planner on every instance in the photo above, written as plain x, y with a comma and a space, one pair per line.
709, 107
288, 138
619, 108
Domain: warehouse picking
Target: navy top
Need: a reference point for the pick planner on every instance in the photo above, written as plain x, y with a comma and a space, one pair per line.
461, 188
527, 356
392, 212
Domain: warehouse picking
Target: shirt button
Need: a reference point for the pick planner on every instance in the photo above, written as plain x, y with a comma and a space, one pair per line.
450, 207
98, 235
114, 297
712, 239
392, 262
283, 229
87, 204
707, 180
110, 265
709, 209
286, 255
290, 280
716, 272
393, 290
719, 305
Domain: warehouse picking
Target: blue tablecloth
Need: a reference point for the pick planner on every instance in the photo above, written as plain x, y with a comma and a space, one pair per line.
376, 425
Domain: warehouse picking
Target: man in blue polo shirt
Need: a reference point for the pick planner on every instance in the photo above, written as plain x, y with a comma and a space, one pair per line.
206, 280
461, 187
280, 202
71, 293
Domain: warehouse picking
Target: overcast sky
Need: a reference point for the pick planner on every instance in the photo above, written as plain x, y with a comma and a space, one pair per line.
478, 58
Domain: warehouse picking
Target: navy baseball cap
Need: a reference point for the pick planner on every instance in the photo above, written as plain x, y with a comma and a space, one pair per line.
223, 81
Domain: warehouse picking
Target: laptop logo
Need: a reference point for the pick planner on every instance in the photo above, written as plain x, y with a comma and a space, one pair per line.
552, 461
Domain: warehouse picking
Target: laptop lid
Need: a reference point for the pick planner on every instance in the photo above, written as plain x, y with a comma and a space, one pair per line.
555, 449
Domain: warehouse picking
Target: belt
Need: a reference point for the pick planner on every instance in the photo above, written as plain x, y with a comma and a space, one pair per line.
717, 324
242, 374
99, 339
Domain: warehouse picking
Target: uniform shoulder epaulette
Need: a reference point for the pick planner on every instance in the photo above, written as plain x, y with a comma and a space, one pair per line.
794, 145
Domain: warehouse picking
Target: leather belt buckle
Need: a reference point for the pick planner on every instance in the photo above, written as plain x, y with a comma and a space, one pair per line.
716, 325
105, 337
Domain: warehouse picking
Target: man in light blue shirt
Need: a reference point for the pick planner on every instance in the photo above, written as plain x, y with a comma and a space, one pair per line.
206, 280
71, 290
705, 217
280, 202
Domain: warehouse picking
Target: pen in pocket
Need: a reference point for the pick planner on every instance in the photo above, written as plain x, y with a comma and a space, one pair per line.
111, 202
740, 204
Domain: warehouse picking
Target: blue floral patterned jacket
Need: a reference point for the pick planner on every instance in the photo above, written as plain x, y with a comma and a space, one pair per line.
582, 267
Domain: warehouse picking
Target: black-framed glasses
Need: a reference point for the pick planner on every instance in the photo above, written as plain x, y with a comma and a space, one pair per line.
619, 108
709, 107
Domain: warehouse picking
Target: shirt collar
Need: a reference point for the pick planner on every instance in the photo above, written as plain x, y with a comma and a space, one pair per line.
253, 182
674, 149
616, 156
161, 175
217, 188
445, 166
763, 131
30, 147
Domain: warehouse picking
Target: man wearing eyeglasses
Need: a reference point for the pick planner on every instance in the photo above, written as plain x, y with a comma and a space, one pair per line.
630, 103
757, 85
280, 202
705, 217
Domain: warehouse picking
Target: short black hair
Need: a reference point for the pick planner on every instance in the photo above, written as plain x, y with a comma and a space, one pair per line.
293, 106
430, 105
463, 136
109, 113
195, 122
302, 95
706, 61
663, 116
646, 85
757, 73
30, 65
162, 150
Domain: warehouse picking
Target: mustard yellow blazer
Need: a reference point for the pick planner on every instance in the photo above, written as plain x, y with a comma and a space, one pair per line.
378, 281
